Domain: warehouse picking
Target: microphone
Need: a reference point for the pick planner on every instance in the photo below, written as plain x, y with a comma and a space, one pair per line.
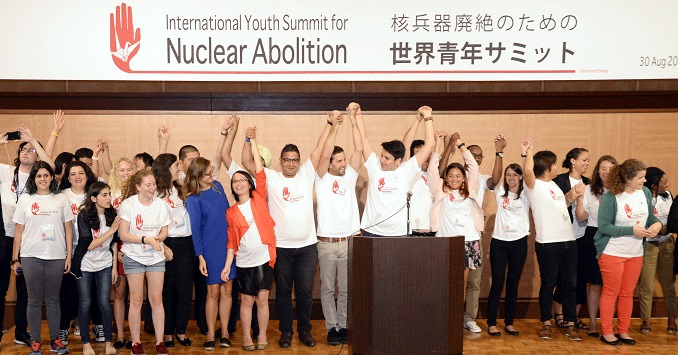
409, 196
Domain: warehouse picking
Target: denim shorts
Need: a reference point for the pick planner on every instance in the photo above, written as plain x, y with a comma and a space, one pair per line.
134, 267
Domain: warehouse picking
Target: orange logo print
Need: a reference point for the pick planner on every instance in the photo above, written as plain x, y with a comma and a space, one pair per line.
505, 203
628, 210
125, 39
35, 208
116, 203
169, 202
139, 222
335, 186
74, 209
285, 193
381, 184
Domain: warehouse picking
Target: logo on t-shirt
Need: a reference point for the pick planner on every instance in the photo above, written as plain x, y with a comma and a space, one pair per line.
451, 197
95, 233
285, 193
423, 177
169, 202
74, 209
139, 222
336, 189
290, 197
505, 203
12, 188
628, 210
116, 203
35, 208
656, 213
555, 196
382, 182
390, 186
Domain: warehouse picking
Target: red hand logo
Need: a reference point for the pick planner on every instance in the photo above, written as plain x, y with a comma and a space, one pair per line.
116, 203
628, 210
656, 213
553, 195
505, 203
95, 233
285, 193
451, 197
335, 186
74, 209
13, 187
140, 222
381, 184
35, 208
124, 39
169, 201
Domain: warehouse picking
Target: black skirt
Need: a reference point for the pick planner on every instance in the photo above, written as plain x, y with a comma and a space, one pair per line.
253, 279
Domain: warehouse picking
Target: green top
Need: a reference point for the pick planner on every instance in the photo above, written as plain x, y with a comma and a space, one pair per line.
606, 219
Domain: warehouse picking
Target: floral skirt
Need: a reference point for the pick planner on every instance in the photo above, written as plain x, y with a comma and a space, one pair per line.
472, 257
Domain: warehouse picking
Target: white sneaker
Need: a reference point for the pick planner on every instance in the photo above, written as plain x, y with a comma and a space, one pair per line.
472, 327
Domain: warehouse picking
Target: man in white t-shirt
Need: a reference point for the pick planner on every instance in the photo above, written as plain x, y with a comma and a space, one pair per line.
290, 203
338, 220
391, 178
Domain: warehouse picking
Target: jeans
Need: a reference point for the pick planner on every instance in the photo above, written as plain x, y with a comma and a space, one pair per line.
295, 268
333, 260
557, 258
103, 289
503, 254
43, 281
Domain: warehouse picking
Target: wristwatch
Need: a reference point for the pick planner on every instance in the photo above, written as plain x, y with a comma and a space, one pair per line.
500, 154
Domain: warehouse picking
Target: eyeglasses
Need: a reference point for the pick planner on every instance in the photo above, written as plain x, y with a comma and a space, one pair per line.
293, 160
239, 181
210, 173
33, 151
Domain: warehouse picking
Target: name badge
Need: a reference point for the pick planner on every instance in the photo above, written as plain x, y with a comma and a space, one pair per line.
47, 232
179, 221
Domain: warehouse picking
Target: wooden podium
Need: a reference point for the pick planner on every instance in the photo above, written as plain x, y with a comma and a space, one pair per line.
405, 295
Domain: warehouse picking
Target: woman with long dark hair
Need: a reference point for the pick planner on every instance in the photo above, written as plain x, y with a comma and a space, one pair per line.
625, 219
508, 248
587, 211
207, 204
44, 238
177, 287
95, 262
658, 255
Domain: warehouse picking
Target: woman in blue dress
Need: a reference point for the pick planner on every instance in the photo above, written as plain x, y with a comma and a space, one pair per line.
207, 203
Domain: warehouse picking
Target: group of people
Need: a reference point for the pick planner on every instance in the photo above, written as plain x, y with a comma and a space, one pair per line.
82, 226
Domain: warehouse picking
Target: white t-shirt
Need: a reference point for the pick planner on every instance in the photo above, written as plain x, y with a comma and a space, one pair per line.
100, 257
482, 189
181, 224
251, 251
661, 211
43, 217
290, 202
579, 228
144, 221
456, 217
631, 211
591, 204
421, 203
549, 209
337, 204
10, 194
74, 202
385, 212
512, 221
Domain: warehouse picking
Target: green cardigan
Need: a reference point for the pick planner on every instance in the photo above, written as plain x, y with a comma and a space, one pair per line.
606, 219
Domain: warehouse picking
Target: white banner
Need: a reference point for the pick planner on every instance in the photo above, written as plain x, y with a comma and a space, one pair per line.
350, 40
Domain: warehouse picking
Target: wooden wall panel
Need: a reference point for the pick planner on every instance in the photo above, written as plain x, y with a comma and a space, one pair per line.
649, 136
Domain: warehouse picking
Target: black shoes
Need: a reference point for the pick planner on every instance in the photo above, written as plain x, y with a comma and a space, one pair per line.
307, 339
343, 335
512, 332
169, 344
614, 342
627, 341
285, 340
333, 337
185, 342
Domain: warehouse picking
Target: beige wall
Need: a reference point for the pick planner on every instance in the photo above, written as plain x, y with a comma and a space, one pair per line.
648, 136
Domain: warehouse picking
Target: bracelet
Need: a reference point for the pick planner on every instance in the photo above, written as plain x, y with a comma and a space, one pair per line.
222, 133
14, 262
247, 140
95, 158
330, 123
54, 134
142, 240
461, 145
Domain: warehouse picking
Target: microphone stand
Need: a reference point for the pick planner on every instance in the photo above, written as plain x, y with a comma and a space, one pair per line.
409, 196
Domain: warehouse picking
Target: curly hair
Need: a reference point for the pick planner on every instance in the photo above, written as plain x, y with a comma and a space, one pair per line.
652, 177
114, 181
32, 188
66, 184
130, 188
623, 173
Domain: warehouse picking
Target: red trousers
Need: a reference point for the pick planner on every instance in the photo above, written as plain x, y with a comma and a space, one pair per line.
620, 276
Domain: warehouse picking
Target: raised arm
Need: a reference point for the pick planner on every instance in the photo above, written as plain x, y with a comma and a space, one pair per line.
58, 126
163, 139
354, 109
499, 145
258, 164
357, 155
247, 158
216, 161
226, 157
317, 151
528, 163
27, 136
95, 157
447, 152
426, 114
106, 158
328, 146
408, 138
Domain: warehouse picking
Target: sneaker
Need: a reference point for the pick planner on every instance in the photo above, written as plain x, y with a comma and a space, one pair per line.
98, 331
76, 331
333, 337
63, 336
137, 349
56, 346
343, 335
35, 348
545, 332
160, 349
572, 333
472, 327
22, 339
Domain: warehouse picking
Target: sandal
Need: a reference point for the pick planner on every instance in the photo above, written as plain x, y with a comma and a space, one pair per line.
560, 321
645, 327
581, 325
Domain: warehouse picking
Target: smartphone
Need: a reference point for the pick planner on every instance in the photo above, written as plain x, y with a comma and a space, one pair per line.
19, 271
13, 136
